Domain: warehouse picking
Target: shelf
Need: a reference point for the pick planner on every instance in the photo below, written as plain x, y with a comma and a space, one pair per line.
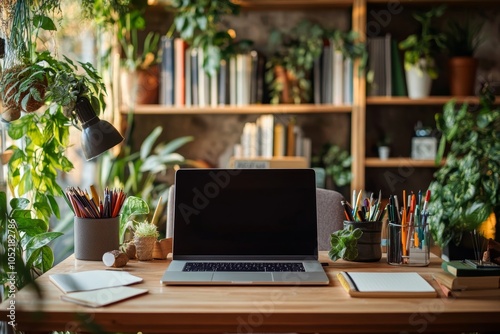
292, 4
465, 3
429, 101
399, 162
155, 109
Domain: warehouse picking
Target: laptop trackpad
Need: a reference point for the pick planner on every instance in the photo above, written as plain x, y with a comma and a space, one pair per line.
239, 277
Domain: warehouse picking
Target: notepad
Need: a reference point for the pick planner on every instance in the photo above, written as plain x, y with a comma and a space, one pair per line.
103, 297
370, 284
92, 280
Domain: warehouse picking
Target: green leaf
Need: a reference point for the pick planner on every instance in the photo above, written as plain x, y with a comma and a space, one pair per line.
45, 260
148, 143
34, 245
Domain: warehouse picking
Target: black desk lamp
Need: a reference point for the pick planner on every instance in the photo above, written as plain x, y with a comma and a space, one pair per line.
98, 135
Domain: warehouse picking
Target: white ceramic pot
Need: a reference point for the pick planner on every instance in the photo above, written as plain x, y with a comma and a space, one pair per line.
418, 81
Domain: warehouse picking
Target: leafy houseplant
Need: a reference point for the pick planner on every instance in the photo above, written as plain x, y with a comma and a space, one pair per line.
292, 58
462, 40
32, 79
344, 244
137, 173
419, 54
466, 190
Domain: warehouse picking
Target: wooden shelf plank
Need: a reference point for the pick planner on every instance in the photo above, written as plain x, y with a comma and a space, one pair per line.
432, 100
155, 109
399, 162
292, 4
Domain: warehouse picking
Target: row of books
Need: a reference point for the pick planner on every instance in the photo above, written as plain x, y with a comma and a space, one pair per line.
462, 280
184, 83
240, 80
332, 77
269, 137
385, 68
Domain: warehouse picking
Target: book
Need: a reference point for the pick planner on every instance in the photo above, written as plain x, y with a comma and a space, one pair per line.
385, 284
398, 75
179, 75
194, 77
481, 294
338, 77
467, 283
462, 269
103, 297
167, 72
92, 280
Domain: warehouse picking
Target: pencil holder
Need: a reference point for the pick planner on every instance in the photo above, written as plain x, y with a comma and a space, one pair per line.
369, 245
408, 245
94, 237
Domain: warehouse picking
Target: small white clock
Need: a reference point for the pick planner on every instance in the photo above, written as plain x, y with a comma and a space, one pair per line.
423, 148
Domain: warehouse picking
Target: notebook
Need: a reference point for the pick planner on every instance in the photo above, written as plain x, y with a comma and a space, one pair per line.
245, 227
388, 284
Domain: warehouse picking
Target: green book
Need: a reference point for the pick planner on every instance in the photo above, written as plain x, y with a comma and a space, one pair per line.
462, 269
398, 76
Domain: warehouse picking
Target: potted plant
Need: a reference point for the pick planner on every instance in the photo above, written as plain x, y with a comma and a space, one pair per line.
383, 146
41, 91
292, 58
145, 236
419, 50
462, 40
344, 244
466, 189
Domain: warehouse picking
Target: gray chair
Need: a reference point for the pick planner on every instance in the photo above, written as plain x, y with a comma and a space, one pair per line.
329, 211
330, 215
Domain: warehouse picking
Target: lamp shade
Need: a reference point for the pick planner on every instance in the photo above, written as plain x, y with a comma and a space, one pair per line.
98, 135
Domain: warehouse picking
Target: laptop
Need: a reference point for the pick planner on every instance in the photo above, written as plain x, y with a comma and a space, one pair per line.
245, 227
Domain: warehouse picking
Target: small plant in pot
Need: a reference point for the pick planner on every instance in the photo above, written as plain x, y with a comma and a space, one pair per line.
462, 40
344, 244
145, 236
419, 50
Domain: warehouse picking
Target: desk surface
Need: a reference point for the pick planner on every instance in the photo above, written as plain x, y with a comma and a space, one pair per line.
252, 309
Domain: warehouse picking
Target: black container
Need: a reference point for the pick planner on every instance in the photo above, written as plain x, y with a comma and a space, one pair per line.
369, 245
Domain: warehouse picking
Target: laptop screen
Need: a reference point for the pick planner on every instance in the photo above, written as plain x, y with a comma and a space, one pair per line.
245, 213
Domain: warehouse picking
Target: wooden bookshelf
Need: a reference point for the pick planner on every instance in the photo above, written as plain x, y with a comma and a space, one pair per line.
400, 162
429, 101
155, 109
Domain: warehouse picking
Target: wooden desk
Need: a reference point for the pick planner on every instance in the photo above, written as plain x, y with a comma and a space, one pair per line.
256, 309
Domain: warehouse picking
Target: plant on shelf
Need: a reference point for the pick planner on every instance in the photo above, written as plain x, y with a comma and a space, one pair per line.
462, 40
197, 22
140, 71
350, 46
466, 190
292, 56
419, 52
344, 244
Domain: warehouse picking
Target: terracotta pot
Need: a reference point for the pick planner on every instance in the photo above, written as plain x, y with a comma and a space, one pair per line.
462, 76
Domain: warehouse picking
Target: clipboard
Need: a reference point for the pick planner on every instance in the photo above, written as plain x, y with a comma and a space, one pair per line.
384, 284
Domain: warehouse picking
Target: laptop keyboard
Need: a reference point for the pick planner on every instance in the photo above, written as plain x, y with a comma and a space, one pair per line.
243, 266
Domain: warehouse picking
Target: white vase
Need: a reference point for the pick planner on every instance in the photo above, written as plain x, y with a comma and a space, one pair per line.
418, 81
